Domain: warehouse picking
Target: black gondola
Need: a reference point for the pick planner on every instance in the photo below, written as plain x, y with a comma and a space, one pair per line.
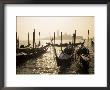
68, 55
24, 54
65, 58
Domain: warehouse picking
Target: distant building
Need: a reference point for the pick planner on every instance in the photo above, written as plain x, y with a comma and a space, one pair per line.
65, 36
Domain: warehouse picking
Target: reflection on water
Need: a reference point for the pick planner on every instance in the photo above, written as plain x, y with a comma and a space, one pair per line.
45, 64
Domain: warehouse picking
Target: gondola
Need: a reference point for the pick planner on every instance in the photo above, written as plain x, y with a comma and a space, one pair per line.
67, 56
64, 60
23, 56
83, 54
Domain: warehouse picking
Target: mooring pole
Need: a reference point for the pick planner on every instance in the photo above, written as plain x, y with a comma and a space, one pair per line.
75, 32
72, 39
88, 35
34, 35
35, 45
54, 38
88, 38
16, 36
75, 36
33, 38
18, 41
28, 39
61, 41
39, 38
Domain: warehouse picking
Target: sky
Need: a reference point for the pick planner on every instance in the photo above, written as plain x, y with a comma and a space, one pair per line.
48, 25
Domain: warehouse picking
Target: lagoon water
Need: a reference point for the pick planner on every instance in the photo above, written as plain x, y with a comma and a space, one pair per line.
45, 64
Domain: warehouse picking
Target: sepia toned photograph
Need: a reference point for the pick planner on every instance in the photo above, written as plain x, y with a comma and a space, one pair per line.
55, 45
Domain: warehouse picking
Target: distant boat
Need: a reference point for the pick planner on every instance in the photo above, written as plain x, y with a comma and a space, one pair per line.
64, 44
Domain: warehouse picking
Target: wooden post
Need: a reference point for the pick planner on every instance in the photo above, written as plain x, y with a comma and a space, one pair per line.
35, 45
34, 38
16, 36
74, 39
88, 35
18, 42
34, 35
88, 38
28, 39
54, 38
61, 41
39, 38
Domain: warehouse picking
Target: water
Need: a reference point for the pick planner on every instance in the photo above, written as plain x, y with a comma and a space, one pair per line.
43, 42
45, 64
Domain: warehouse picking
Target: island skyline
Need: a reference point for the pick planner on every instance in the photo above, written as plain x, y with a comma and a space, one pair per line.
48, 25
